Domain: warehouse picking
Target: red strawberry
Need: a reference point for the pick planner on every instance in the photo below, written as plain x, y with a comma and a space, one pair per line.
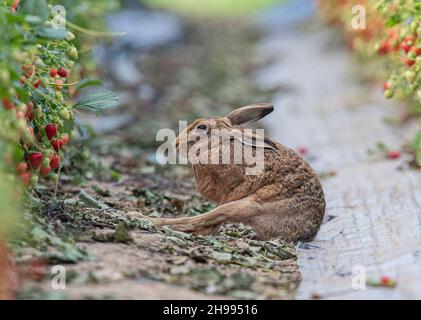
28, 69
20, 114
405, 46
45, 171
384, 48
409, 62
10, 106
37, 83
57, 144
29, 108
26, 176
21, 167
53, 72
62, 72
302, 150
394, 154
15, 5
416, 51
386, 85
386, 281
55, 162
65, 139
58, 84
35, 160
51, 130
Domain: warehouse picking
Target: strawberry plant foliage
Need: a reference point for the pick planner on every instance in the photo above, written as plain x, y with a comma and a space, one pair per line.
392, 38
98, 101
40, 77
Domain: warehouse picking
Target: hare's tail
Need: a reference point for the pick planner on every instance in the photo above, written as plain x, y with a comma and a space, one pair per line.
236, 211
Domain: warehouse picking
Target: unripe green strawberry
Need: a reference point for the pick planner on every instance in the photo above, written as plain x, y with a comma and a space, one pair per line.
55, 177
44, 81
39, 61
419, 95
388, 94
85, 154
27, 138
4, 76
20, 125
38, 113
19, 56
48, 153
59, 95
412, 55
45, 162
34, 180
73, 53
73, 135
70, 36
409, 75
64, 114
11, 91
22, 107
413, 27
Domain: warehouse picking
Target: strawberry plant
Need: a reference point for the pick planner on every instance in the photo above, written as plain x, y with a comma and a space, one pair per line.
392, 37
39, 81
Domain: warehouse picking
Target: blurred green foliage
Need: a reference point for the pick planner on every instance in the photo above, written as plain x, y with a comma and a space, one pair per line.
213, 7
9, 189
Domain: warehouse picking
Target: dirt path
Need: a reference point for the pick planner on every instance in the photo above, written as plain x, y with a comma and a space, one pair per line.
123, 257
373, 216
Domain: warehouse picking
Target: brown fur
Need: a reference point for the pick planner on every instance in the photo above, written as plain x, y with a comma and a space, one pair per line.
285, 201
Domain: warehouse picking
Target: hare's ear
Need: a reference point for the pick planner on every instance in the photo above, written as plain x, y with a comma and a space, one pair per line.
250, 113
252, 139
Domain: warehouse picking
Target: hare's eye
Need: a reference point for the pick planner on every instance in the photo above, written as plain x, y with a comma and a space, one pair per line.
202, 127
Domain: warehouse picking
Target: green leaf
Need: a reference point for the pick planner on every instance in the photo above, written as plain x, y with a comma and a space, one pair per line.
37, 8
68, 126
88, 83
393, 20
98, 101
51, 33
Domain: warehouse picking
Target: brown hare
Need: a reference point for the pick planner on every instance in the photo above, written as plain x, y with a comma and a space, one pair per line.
284, 200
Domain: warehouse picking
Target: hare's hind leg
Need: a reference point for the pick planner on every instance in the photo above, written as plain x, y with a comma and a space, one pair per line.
290, 219
207, 223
